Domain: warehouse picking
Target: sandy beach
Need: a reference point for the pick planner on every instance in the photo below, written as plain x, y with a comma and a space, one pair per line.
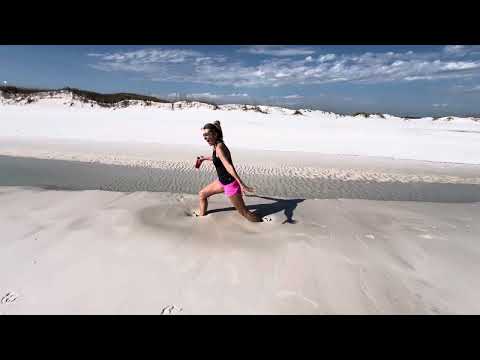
365, 236
101, 252
98, 226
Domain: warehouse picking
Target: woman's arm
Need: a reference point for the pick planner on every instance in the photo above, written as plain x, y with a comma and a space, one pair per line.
230, 168
203, 158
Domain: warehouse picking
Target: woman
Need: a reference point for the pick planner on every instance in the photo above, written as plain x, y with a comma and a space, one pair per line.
228, 180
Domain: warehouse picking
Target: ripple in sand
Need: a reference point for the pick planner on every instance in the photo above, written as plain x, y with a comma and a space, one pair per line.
180, 177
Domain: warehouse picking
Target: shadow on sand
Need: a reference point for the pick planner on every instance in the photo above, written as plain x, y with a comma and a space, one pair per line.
285, 205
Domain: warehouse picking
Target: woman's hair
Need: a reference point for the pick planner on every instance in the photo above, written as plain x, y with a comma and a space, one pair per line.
215, 126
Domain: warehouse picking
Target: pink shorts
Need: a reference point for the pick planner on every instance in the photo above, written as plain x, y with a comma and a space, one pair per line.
231, 189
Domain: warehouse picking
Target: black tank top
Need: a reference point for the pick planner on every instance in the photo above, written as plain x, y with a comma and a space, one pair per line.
223, 175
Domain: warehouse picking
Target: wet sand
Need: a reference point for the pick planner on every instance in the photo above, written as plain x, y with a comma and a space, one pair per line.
181, 178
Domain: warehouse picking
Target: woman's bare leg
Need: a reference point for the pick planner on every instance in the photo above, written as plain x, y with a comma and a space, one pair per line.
239, 204
209, 190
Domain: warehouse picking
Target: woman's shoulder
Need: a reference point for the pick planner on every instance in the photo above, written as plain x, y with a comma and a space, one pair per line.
221, 145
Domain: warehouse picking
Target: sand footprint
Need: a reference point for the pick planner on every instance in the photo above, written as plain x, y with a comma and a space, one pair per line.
9, 298
171, 310
196, 213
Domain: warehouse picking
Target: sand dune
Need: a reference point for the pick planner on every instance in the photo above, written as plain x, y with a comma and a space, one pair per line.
443, 140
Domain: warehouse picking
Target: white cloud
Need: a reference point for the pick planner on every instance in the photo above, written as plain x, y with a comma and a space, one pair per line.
460, 65
466, 89
210, 59
277, 50
181, 65
203, 59
454, 48
413, 78
440, 105
461, 50
295, 96
327, 57
144, 60
208, 95
204, 95
124, 66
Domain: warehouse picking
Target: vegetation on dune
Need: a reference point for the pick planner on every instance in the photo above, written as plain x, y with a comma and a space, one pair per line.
366, 115
82, 95
17, 93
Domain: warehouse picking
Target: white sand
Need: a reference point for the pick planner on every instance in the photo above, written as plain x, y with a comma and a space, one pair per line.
95, 252
426, 139
99, 252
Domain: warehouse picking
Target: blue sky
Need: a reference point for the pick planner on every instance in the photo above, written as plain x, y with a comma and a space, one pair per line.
403, 80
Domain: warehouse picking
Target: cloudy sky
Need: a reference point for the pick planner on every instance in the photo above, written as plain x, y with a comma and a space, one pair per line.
403, 80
